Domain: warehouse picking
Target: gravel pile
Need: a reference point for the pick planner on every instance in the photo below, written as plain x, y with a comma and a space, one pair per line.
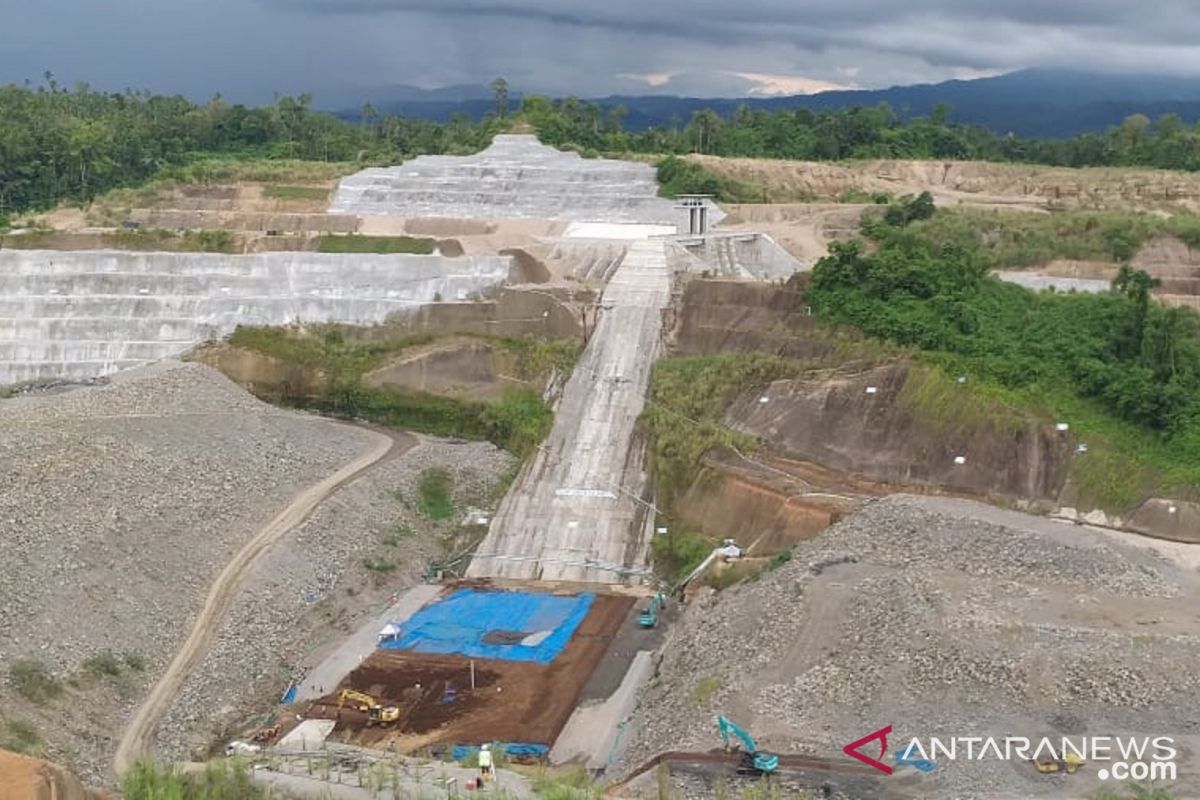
939, 624
313, 588
120, 505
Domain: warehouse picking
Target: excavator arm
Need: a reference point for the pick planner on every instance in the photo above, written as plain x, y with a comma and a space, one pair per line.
728, 729
760, 762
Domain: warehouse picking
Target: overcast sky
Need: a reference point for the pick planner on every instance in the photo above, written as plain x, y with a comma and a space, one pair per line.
250, 49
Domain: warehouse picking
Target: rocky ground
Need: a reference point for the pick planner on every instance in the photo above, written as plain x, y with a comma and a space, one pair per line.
120, 503
941, 618
314, 587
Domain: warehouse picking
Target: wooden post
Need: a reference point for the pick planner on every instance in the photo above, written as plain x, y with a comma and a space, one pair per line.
472, 674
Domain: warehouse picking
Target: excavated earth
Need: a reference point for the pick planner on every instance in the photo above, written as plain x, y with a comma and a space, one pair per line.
155, 480
513, 701
313, 588
943, 618
973, 183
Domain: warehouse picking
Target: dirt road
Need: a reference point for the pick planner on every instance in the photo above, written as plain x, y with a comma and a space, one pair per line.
140, 731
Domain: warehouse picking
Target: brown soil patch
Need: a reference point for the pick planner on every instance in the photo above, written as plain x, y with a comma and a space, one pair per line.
804, 230
528, 269
449, 227
262, 375
453, 368
513, 701
973, 183
881, 438
717, 316
23, 778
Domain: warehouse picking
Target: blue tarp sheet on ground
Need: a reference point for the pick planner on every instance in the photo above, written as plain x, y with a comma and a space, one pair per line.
484, 624
461, 752
290, 695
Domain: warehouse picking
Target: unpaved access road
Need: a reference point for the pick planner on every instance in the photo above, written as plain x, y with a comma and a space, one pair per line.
140, 730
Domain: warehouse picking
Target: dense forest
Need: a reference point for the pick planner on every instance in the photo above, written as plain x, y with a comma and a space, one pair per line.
1137, 359
70, 144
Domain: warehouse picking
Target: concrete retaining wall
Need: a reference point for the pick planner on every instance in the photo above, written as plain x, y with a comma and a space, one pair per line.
78, 315
748, 256
516, 176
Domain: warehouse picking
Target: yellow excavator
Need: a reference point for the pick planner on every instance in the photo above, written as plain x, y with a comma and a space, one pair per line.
377, 713
1069, 763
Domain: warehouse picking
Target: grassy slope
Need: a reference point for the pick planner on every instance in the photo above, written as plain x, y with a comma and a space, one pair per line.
355, 243
1011, 239
518, 421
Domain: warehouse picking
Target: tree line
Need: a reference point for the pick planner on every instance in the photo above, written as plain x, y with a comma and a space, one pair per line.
1138, 359
71, 144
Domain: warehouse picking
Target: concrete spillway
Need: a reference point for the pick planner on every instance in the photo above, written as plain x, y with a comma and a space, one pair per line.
573, 515
517, 177
82, 314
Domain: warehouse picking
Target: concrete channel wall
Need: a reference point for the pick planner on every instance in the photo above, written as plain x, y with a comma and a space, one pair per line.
82, 314
746, 256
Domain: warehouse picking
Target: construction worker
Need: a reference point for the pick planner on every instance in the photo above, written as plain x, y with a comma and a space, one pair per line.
487, 770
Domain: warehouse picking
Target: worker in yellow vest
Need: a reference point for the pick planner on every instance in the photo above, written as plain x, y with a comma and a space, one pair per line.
487, 770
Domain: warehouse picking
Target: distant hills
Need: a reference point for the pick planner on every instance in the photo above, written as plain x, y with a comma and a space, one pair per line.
1035, 102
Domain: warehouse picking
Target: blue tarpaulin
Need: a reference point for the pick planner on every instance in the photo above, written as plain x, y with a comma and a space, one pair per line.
290, 695
461, 752
510, 626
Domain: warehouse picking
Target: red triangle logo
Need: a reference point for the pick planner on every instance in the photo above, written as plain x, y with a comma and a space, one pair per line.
881, 734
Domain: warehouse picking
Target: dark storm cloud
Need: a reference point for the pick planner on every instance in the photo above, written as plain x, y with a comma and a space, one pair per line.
250, 48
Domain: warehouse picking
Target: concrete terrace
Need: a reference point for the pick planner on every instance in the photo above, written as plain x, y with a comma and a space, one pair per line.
516, 177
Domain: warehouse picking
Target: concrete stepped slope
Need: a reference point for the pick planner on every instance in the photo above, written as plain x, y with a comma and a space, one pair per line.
516, 176
573, 515
82, 314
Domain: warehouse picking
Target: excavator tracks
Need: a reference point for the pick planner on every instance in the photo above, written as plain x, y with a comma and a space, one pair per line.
717, 762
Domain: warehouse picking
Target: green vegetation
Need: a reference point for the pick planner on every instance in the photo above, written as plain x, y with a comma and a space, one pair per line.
1136, 791
354, 243
333, 350
573, 783
379, 565
19, 736
135, 661
908, 210
397, 534
854, 194
295, 192
680, 550
33, 680
434, 500
1009, 239
704, 691
676, 177
221, 780
72, 145
1123, 370
688, 399
105, 664
779, 559
75, 144
537, 357
341, 356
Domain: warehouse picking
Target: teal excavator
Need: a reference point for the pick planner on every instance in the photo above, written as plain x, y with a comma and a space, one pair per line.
754, 761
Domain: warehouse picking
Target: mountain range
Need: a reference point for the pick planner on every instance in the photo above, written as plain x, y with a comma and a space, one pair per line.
1034, 102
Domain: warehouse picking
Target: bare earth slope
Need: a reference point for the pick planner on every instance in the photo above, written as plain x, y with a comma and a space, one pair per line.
121, 505
942, 618
140, 731
974, 183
